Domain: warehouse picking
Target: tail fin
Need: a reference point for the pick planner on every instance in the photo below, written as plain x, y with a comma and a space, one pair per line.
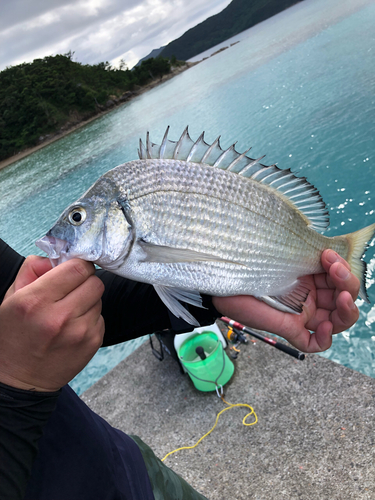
358, 242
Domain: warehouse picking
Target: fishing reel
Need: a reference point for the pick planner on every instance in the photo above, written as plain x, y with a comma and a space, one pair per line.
237, 338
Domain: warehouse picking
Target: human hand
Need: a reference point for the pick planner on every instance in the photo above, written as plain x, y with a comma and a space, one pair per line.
50, 324
329, 308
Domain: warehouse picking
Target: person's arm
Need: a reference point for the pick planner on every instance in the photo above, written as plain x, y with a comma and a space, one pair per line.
50, 326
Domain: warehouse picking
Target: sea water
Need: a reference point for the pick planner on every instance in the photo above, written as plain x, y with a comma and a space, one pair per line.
299, 87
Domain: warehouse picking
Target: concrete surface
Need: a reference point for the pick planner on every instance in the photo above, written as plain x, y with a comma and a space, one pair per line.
314, 439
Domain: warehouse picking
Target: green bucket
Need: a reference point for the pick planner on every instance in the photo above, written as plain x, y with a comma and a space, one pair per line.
213, 371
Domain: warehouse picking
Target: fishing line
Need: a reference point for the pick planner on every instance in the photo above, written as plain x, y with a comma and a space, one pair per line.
230, 406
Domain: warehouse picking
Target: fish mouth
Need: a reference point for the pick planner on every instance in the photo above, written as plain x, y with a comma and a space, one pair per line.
56, 249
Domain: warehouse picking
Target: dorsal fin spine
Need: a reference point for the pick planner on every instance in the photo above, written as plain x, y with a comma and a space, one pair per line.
282, 177
148, 146
249, 165
207, 153
180, 141
258, 172
164, 144
194, 146
237, 160
268, 176
142, 150
223, 155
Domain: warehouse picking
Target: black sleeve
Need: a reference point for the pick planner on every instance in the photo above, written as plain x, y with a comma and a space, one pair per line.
132, 309
23, 415
10, 262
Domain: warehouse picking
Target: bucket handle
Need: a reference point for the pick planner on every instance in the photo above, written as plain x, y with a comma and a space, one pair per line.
221, 391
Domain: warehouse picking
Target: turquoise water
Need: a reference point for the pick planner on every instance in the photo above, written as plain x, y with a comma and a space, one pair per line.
299, 88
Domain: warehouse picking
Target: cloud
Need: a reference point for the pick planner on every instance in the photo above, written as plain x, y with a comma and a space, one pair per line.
96, 30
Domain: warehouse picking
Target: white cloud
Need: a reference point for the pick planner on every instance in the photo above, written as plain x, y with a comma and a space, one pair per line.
96, 30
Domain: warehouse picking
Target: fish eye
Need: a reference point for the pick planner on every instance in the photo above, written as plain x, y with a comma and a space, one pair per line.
77, 216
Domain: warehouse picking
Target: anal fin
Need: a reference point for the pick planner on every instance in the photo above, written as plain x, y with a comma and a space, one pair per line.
292, 301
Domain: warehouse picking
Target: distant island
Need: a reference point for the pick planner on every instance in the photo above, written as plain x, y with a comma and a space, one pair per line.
238, 16
43, 100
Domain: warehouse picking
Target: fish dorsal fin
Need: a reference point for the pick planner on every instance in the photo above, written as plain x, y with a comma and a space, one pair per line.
298, 190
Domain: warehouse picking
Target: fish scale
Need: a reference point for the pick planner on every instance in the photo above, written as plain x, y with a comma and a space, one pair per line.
190, 218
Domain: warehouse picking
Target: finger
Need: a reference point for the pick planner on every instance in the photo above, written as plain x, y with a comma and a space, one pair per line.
344, 280
311, 319
323, 281
32, 268
301, 338
63, 279
329, 257
320, 315
296, 329
87, 330
321, 339
83, 298
346, 313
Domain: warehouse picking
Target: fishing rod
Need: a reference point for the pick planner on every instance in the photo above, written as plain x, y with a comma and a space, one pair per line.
282, 347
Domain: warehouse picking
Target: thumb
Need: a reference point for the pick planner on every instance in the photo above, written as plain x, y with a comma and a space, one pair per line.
32, 268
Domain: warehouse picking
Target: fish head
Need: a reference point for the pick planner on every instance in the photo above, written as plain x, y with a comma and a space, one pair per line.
95, 228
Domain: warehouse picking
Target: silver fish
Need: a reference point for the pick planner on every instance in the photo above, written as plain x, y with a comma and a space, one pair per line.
190, 218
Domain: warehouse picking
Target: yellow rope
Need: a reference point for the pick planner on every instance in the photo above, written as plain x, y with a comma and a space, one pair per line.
252, 412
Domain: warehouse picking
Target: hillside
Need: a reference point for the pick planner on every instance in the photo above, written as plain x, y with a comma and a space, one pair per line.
153, 53
52, 94
238, 16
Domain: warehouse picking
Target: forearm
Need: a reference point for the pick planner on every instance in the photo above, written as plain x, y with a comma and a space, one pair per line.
23, 415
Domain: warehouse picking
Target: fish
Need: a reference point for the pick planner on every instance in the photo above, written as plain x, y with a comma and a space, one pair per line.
191, 218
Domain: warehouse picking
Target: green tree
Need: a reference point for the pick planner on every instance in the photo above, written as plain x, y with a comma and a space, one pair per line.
38, 98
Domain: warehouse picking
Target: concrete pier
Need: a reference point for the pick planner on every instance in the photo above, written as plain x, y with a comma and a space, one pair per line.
314, 439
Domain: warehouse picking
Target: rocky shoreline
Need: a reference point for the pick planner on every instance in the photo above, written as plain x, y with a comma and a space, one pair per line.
78, 121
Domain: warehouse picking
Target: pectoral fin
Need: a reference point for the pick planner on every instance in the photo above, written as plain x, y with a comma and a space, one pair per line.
171, 297
168, 255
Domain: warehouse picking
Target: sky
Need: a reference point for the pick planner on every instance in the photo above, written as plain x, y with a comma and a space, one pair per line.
95, 30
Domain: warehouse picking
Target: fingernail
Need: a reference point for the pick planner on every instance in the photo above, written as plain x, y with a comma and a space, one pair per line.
332, 257
342, 272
